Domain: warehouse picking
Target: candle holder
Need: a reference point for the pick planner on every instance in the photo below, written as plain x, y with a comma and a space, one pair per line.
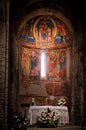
25, 105
46, 101
33, 101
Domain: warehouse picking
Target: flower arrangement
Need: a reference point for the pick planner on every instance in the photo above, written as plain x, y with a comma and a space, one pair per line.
48, 119
61, 101
19, 121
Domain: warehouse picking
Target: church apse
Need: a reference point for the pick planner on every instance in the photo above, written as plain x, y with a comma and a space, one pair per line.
49, 34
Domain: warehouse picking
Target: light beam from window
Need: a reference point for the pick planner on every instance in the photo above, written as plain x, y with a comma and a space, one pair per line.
43, 65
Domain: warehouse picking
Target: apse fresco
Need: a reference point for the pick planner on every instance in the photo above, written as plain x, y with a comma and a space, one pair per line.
57, 88
53, 65
45, 32
30, 63
62, 65
42, 88
56, 72
48, 34
57, 65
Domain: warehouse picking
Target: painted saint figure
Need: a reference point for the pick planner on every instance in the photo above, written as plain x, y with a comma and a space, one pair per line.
44, 33
34, 64
52, 64
62, 65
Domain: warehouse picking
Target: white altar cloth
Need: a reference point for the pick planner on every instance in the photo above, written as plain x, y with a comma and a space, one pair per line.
35, 111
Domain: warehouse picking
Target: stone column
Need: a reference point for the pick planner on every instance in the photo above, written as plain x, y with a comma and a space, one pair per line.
4, 34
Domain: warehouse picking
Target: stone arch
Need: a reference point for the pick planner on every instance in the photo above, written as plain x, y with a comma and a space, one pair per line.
41, 12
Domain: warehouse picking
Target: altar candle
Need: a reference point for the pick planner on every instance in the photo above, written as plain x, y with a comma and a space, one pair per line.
46, 99
32, 99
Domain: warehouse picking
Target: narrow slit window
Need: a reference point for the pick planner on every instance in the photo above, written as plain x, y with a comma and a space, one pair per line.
43, 65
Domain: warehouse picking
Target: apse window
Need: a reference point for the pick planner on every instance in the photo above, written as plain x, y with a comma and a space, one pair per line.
43, 64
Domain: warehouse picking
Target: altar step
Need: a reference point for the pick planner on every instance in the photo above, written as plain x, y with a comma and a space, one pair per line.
59, 128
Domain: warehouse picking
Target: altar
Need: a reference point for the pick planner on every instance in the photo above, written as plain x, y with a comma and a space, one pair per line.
35, 111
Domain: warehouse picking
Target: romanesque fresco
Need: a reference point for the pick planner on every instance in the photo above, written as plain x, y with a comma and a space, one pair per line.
57, 65
30, 65
48, 34
62, 65
45, 32
53, 59
56, 70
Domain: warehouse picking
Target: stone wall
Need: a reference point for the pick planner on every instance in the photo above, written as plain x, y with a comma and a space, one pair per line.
3, 64
9, 95
78, 80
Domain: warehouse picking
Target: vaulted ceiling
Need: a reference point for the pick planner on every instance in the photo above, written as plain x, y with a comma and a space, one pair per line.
69, 8
73, 10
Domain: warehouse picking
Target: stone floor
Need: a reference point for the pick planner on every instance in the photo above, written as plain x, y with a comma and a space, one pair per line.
59, 128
